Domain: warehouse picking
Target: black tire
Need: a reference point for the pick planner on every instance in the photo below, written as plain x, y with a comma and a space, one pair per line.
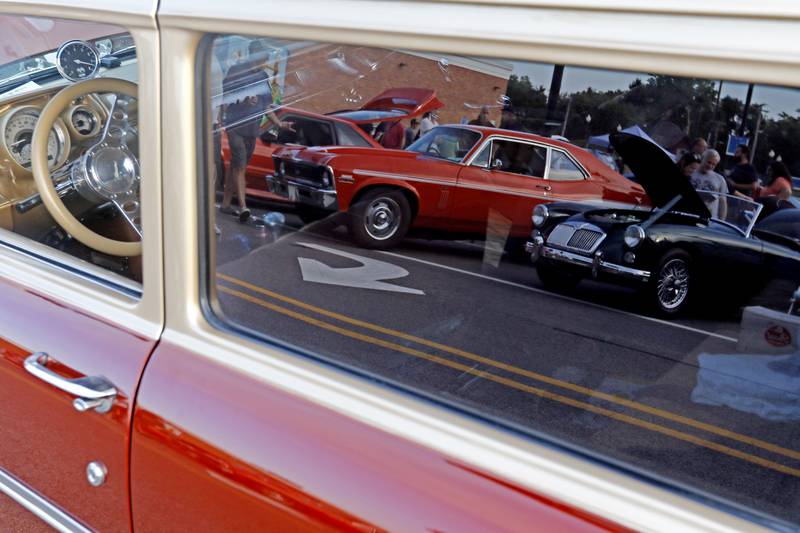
559, 280
671, 287
380, 219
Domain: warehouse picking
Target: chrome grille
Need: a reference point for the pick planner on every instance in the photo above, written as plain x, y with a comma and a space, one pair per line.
584, 239
578, 236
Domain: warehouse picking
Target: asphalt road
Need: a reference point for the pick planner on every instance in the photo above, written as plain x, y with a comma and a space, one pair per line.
472, 329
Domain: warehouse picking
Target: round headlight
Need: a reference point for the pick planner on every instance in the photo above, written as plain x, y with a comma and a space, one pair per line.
540, 214
327, 177
281, 168
634, 235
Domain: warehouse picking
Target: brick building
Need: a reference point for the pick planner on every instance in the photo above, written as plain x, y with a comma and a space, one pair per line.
325, 78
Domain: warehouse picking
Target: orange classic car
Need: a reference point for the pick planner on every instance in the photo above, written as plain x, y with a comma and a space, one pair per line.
455, 179
340, 128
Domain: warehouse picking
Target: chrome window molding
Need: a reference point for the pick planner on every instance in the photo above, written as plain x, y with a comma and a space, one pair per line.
533, 464
471, 157
65, 263
38, 505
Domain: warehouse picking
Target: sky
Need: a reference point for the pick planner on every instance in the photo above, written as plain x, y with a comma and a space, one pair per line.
777, 99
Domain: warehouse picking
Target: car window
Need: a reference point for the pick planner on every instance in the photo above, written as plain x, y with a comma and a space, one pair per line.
519, 158
562, 168
446, 143
482, 159
78, 194
634, 323
348, 136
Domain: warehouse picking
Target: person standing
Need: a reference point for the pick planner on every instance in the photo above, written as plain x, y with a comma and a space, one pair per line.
412, 132
482, 119
705, 180
394, 136
247, 97
780, 182
743, 177
699, 145
428, 122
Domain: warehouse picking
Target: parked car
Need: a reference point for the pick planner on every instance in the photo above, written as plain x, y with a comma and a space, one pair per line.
339, 128
689, 242
454, 180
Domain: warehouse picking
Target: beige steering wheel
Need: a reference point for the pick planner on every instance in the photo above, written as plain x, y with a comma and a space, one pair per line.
107, 172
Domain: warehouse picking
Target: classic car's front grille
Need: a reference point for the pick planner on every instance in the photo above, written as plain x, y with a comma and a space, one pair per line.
309, 173
579, 236
584, 239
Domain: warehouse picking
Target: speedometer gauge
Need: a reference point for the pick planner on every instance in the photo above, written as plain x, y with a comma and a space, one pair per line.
77, 60
18, 134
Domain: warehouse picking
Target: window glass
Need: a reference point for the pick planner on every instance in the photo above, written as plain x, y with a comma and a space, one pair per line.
91, 156
642, 318
562, 168
348, 136
519, 158
482, 159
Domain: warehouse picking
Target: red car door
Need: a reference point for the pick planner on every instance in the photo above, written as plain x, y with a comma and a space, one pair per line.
499, 197
77, 325
49, 444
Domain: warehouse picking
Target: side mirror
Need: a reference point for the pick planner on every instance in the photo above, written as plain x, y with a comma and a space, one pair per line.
497, 164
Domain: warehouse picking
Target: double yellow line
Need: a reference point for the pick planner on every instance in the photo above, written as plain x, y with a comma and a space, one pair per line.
653, 411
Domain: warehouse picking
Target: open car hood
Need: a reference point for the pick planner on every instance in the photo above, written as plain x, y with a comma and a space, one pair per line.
394, 104
658, 174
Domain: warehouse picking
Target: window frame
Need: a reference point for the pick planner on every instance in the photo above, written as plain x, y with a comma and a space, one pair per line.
652, 501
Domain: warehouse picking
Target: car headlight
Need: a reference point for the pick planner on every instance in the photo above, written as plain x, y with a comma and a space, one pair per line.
280, 169
634, 235
540, 214
327, 177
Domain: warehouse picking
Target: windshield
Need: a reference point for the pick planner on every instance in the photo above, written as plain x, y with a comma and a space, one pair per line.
736, 211
28, 62
446, 142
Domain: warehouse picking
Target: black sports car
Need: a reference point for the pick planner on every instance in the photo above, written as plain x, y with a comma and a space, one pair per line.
689, 242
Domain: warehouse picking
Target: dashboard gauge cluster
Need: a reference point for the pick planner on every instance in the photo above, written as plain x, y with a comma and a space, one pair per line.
17, 134
77, 60
84, 121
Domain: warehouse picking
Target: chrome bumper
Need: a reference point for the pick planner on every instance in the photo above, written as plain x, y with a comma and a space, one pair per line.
596, 263
301, 193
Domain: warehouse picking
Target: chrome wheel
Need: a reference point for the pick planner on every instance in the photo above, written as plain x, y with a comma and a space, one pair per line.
382, 218
673, 284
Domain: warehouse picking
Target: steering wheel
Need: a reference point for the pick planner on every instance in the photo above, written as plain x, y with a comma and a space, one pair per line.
107, 172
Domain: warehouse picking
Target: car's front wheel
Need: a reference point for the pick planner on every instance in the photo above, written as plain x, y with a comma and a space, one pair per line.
671, 286
380, 219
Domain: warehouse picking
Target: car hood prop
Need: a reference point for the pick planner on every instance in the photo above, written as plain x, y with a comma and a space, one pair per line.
658, 174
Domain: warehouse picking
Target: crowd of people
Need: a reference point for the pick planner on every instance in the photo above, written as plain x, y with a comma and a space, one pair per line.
700, 163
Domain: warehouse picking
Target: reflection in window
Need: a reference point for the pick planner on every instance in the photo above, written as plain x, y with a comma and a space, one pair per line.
562, 168
526, 302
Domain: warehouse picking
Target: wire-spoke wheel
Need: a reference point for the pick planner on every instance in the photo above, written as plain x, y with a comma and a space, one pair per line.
672, 282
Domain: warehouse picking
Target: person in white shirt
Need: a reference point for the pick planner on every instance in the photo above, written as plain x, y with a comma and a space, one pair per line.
705, 179
428, 123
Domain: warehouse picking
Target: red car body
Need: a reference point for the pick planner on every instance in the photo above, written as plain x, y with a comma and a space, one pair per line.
340, 128
453, 194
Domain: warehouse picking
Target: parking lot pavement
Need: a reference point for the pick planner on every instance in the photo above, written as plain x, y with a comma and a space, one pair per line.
586, 369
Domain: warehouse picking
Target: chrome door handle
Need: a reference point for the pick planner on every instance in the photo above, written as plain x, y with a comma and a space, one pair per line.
545, 187
93, 392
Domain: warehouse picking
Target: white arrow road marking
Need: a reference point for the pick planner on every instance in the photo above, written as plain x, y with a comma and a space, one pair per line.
366, 276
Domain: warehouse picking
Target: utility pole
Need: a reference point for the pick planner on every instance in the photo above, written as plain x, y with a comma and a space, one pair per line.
555, 91
712, 135
566, 118
746, 109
